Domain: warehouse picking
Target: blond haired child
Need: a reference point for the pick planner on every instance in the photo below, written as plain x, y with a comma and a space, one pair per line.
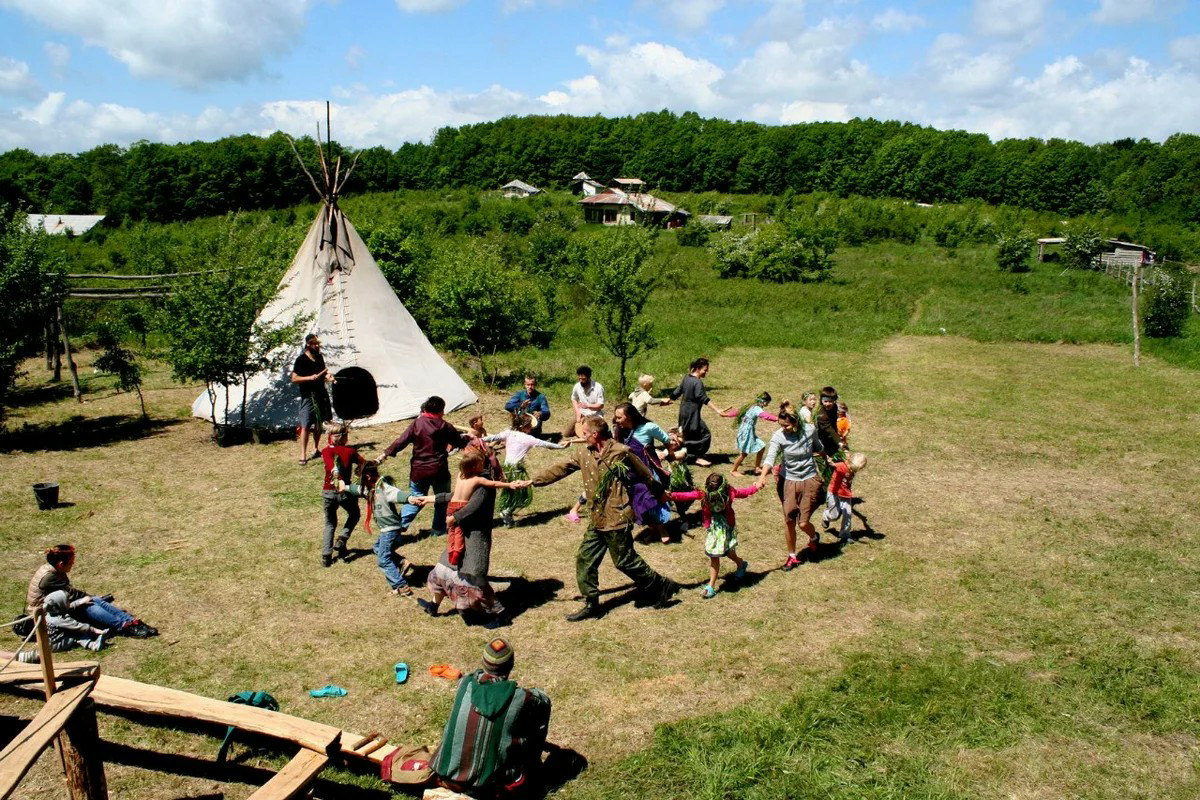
644, 397
841, 494
808, 402
720, 540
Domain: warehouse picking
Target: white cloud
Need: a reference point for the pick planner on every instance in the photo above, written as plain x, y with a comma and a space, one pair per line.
782, 17
58, 54
814, 65
1008, 18
427, 6
630, 78
1122, 12
803, 111
354, 56
689, 15
1185, 50
188, 44
894, 20
16, 80
964, 74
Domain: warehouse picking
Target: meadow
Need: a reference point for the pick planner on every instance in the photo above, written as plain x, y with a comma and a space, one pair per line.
1019, 620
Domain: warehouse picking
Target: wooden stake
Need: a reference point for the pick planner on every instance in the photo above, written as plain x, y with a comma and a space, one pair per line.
62, 329
80, 746
1137, 336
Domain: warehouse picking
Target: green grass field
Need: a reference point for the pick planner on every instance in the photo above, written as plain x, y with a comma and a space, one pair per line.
1019, 623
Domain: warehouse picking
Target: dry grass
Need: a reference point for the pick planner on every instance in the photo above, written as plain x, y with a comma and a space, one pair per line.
1020, 493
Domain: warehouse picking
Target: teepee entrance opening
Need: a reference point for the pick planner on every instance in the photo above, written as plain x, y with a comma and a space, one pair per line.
355, 394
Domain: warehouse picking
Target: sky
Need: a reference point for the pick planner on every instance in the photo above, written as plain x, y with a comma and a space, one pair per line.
75, 74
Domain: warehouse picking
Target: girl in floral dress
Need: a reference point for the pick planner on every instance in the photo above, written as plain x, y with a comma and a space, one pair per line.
720, 540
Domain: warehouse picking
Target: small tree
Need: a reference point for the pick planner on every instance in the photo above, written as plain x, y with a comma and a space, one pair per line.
480, 305
1013, 249
118, 361
620, 282
210, 322
1081, 247
31, 286
1167, 304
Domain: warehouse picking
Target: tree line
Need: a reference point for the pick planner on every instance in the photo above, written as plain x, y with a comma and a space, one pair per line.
672, 152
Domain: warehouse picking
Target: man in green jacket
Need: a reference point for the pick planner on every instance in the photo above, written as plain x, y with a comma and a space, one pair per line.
607, 468
492, 743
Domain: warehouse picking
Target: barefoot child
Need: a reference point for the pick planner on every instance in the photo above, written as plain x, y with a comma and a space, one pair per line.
840, 489
518, 441
720, 540
748, 442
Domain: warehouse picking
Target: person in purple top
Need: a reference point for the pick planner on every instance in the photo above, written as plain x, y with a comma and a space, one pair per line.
431, 437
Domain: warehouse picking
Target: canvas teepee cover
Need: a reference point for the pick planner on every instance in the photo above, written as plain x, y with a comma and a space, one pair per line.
361, 323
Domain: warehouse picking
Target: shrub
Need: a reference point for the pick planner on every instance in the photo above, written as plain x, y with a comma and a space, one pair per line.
1013, 249
1167, 303
1082, 246
694, 235
402, 257
801, 250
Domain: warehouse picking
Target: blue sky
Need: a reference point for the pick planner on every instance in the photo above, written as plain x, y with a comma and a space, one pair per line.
78, 73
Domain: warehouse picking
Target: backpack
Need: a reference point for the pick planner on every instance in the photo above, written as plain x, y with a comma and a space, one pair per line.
256, 699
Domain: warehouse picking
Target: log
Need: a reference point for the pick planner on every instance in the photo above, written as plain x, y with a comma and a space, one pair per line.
80, 745
293, 779
146, 698
22, 752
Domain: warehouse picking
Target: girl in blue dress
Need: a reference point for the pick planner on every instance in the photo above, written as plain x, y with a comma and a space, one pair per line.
748, 443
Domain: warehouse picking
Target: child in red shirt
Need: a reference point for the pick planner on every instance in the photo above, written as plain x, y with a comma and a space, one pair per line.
340, 460
841, 493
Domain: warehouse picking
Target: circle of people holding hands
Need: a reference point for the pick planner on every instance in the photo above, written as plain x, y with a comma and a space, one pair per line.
633, 472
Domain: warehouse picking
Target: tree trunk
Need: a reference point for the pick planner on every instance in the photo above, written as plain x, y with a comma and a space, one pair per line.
66, 343
142, 401
245, 395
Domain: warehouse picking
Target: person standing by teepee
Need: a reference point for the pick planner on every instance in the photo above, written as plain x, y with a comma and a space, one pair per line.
310, 374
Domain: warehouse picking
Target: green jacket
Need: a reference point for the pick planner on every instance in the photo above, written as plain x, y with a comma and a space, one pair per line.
605, 475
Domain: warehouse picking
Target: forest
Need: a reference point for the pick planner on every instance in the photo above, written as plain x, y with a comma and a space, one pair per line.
672, 152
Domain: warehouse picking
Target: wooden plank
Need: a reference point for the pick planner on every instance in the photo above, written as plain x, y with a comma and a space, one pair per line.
293, 779
22, 752
146, 698
374, 754
17, 673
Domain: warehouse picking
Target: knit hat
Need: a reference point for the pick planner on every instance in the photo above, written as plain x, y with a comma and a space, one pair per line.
497, 655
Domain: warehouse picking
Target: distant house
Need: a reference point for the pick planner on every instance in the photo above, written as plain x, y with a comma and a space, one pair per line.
519, 189
584, 185
718, 221
1116, 252
62, 224
615, 206
629, 184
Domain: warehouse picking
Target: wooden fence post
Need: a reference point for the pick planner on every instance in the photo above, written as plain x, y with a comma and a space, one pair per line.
78, 746
66, 343
1137, 335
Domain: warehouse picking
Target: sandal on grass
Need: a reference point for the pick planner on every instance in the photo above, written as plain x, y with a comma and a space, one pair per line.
445, 671
329, 690
401, 672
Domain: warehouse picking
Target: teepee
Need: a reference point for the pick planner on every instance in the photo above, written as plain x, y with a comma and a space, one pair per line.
384, 365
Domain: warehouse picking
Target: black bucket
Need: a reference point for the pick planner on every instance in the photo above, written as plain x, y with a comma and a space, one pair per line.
46, 494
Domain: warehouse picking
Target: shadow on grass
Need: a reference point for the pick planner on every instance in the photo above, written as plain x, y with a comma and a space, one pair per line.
539, 517
207, 769
80, 432
521, 595
38, 395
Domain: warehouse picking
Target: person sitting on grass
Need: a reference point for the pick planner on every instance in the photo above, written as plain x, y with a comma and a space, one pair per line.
530, 401
518, 441
65, 631
494, 735
340, 460
720, 540
462, 571
96, 611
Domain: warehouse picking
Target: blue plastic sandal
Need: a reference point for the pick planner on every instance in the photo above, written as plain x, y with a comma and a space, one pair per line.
708, 592
401, 672
329, 690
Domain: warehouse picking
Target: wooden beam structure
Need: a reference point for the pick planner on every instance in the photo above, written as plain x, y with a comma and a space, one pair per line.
21, 753
294, 778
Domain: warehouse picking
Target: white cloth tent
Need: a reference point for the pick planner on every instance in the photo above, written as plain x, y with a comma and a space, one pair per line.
361, 322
